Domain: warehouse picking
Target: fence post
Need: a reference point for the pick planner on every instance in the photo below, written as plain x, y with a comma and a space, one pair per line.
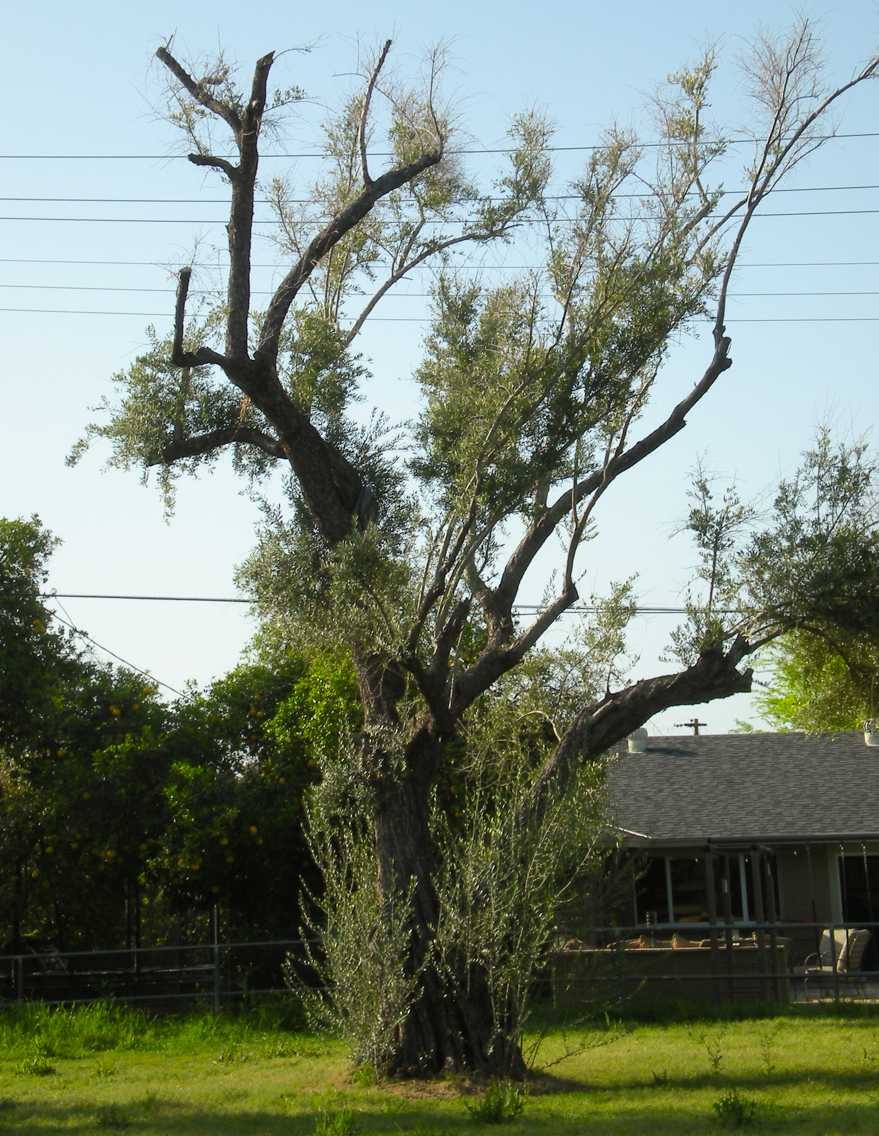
833, 963
215, 919
19, 973
137, 941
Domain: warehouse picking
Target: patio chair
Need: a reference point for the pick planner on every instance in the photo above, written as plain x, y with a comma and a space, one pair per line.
848, 947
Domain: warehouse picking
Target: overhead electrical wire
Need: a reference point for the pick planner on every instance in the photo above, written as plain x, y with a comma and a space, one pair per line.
158, 291
394, 295
320, 154
523, 608
526, 608
458, 268
118, 658
306, 201
432, 223
730, 319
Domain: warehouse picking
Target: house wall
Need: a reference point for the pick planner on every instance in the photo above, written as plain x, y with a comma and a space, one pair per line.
807, 895
802, 883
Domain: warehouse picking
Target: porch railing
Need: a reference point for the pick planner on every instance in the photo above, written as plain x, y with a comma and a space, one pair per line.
719, 964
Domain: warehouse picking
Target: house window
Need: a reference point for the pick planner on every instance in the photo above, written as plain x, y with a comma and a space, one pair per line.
859, 885
675, 888
689, 897
652, 891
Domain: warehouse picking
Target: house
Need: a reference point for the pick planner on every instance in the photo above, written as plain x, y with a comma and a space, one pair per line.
752, 828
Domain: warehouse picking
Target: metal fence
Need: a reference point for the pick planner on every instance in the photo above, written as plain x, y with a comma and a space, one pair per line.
720, 964
159, 977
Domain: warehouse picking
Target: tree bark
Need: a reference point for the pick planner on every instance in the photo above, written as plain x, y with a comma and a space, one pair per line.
451, 1022
449, 1025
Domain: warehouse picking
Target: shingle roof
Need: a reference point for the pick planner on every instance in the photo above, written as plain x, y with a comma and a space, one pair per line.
746, 786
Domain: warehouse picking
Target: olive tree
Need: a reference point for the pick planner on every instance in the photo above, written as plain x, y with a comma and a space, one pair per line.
532, 395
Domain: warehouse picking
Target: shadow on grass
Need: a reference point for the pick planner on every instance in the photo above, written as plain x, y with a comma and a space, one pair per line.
591, 1114
815, 1079
547, 1017
38, 1119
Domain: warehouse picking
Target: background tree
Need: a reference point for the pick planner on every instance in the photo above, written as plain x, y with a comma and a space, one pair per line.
819, 685
240, 758
110, 796
80, 764
825, 674
35, 658
531, 397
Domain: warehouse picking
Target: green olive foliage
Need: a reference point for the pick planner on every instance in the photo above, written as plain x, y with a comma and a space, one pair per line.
414, 547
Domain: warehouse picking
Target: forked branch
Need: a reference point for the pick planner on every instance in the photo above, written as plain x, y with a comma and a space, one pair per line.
362, 129
344, 221
200, 92
180, 357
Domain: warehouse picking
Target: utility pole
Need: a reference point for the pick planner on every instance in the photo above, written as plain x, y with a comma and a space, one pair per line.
695, 724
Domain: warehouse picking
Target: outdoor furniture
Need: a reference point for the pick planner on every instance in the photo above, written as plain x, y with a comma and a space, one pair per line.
847, 948
636, 970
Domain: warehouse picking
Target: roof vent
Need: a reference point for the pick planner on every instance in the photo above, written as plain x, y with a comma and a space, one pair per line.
871, 732
638, 740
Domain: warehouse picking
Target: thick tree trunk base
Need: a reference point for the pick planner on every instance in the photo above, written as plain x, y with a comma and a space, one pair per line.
449, 1032
451, 1025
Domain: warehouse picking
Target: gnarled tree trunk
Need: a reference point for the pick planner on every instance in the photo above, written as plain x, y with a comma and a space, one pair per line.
450, 1024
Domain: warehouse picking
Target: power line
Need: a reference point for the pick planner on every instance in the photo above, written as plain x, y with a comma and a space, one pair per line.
307, 201
393, 295
118, 658
153, 599
462, 267
432, 223
730, 319
524, 608
320, 154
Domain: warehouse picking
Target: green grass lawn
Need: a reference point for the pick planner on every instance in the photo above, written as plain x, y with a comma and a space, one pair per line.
100, 1069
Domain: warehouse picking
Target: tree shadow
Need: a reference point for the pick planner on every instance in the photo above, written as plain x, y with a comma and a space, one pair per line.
594, 1114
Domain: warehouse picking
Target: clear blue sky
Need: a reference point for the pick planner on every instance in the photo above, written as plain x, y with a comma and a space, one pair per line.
77, 80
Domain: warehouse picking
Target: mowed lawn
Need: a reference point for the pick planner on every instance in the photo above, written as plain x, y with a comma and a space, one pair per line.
104, 1070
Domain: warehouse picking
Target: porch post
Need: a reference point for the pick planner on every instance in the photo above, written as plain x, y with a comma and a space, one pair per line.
728, 924
712, 920
773, 931
760, 916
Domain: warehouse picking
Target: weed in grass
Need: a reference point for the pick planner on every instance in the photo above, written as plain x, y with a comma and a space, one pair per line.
102, 1070
231, 1095
335, 1123
36, 1066
501, 1102
277, 1047
714, 1049
734, 1111
233, 1054
767, 1043
149, 1102
660, 1080
364, 1076
713, 1045
112, 1116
